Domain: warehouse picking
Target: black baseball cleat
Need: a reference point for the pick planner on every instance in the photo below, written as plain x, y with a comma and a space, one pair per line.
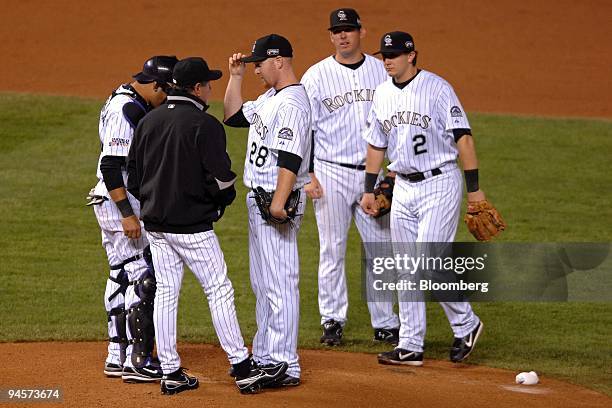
463, 347
284, 381
148, 373
389, 336
178, 381
259, 377
401, 357
113, 370
332, 333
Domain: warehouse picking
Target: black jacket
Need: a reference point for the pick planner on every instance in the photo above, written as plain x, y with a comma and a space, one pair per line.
179, 169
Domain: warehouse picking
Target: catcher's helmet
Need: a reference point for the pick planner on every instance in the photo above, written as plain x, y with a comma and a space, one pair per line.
157, 69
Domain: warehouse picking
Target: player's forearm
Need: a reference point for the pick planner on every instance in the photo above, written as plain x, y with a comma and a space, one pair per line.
120, 198
284, 186
469, 162
233, 97
467, 153
374, 159
118, 194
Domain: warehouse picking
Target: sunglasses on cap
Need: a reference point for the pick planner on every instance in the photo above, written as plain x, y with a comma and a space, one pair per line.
339, 30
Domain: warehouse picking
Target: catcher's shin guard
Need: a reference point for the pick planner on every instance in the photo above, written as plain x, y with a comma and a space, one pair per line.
115, 310
116, 317
140, 319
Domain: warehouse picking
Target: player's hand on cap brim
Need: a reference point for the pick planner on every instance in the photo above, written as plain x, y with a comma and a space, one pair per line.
236, 66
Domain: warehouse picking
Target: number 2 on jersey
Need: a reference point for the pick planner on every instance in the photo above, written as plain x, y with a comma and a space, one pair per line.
419, 143
262, 155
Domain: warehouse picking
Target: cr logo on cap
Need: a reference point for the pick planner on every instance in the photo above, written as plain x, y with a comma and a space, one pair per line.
342, 15
388, 41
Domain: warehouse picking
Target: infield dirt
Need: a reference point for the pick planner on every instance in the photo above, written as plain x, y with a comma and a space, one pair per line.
329, 379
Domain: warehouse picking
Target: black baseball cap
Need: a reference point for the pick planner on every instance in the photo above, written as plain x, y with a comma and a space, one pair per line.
396, 41
344, 17
193, 70
157, 69
270, 46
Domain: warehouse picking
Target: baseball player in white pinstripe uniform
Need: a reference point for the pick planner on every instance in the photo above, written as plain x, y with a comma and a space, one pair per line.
276, 160
341, 88
117, 212
418, 120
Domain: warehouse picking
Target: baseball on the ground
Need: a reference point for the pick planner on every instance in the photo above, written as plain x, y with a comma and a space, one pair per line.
530, 378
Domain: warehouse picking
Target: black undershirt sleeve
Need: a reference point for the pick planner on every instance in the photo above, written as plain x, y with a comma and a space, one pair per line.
459, 133
110, 166
289, 161
237, 120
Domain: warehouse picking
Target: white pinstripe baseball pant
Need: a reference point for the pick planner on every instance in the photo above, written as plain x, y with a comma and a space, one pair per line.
275, 268
342, 190
428, 211
202, 254
118, 248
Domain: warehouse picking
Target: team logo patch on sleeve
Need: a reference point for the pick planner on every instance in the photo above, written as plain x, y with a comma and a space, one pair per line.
117, 141
456, 112
285, 133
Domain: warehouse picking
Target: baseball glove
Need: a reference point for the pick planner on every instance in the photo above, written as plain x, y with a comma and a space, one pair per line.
384, 196
483, 220
264, 200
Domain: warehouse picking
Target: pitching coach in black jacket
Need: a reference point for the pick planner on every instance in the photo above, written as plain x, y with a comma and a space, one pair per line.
179, 170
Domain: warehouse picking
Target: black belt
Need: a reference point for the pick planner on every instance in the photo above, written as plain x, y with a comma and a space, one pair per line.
127, 261
360, 167
419, 176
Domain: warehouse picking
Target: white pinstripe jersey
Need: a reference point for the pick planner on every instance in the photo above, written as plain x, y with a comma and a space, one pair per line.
278, 121
115, 133
341, 98
416, 123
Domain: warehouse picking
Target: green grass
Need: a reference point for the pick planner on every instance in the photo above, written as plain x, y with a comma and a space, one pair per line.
550, 178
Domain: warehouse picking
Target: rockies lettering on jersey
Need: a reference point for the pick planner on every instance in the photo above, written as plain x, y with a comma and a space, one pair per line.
405, 118
416, 123
356, 95
341, 98
278, 121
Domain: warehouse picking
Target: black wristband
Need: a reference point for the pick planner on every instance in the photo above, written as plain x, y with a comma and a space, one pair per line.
125, 208
471, 180
370, 182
